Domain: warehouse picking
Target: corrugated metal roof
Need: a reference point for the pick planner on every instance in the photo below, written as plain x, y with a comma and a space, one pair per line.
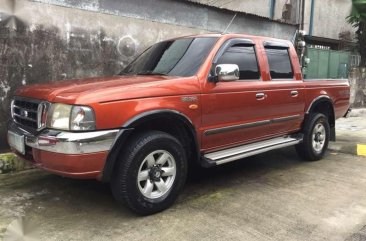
253, 8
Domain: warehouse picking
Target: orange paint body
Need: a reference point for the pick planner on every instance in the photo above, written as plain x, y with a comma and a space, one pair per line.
117, 99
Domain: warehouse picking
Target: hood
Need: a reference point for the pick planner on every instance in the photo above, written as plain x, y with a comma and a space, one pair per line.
105, 89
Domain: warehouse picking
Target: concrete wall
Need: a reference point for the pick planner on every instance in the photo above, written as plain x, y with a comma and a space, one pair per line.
295, 14
357, 81
49, 40
329, 17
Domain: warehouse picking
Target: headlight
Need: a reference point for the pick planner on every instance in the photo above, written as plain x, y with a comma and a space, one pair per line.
69, 117
82, 118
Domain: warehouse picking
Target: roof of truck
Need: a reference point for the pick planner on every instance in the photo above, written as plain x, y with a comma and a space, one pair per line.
232, 35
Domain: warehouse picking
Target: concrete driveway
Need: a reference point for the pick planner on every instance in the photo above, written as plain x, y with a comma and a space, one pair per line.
273, 196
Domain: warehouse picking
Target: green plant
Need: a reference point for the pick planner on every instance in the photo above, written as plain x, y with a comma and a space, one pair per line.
358, 20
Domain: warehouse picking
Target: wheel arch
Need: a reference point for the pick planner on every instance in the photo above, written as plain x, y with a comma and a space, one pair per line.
166, 120
323, 104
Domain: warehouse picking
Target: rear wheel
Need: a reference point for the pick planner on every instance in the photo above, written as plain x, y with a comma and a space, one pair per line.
316, 138
151, 172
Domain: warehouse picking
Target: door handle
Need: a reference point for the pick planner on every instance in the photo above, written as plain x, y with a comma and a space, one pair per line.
260, 96
294, 93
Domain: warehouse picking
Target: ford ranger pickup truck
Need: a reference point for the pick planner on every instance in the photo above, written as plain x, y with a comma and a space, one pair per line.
189, 102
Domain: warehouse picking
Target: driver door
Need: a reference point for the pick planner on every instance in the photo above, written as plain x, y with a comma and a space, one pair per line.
235, 112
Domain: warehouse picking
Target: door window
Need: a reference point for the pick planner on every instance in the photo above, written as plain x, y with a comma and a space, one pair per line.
279, 63
243, 56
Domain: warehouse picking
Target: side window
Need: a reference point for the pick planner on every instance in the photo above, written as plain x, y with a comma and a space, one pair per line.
244, 56
279, 63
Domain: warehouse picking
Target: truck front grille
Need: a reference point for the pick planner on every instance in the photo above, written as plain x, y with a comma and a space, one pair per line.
25, 112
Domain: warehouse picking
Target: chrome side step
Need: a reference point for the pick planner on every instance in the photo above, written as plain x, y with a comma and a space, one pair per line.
235, 153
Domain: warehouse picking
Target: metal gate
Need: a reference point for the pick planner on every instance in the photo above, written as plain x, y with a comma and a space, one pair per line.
327, 64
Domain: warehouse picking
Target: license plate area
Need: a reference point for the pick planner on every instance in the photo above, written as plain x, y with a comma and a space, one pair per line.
16, 141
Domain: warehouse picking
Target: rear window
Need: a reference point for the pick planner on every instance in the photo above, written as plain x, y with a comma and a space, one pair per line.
279, 63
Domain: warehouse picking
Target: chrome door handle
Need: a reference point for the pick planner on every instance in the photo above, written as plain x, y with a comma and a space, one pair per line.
294, 93
260, 96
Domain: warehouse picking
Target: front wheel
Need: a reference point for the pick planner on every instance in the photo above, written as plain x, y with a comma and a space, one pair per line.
151, 172
316, 138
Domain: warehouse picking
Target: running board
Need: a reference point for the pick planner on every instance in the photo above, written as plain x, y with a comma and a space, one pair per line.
239, 152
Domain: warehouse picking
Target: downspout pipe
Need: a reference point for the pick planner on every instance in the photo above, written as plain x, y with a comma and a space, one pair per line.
311, 27
272, 9
302, 14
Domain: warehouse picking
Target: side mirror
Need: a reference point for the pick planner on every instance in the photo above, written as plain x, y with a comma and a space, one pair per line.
227, 72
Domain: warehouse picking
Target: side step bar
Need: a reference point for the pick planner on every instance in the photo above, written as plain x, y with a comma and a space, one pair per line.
239, 152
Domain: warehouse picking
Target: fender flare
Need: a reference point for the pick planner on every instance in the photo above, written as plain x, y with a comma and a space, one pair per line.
317, 100
129, 126
314, 103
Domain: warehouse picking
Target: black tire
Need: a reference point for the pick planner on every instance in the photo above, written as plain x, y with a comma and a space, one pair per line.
306, 149
124, 184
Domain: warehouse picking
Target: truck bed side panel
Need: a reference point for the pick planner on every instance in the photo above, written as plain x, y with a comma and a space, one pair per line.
337, 90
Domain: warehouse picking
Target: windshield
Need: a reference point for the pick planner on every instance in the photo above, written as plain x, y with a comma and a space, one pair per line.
179, 57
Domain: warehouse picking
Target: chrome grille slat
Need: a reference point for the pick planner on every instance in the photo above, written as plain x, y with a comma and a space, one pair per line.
25, 112
29, 110
25, 118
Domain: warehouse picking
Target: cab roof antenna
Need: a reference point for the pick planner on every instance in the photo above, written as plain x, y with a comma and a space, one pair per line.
229, 24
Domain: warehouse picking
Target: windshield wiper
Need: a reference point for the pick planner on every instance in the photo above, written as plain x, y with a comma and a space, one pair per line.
150, 73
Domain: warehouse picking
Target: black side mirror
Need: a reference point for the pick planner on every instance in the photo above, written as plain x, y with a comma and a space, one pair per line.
213, 79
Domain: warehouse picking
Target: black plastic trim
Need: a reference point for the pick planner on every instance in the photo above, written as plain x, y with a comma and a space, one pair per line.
319, 99
230, 43
273, 44
236, 127
130, 125
286, 118
136, 120
121, 137
207, 163
249, 125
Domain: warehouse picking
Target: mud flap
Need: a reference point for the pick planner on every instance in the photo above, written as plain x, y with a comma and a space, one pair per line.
347, 113
332, 133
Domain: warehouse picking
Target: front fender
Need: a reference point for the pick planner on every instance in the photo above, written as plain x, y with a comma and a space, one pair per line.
130, 125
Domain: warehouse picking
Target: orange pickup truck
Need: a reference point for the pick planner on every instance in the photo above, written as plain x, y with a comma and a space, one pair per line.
195, 101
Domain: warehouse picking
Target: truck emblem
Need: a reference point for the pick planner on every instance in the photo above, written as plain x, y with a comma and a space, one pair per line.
189, 98
24, 113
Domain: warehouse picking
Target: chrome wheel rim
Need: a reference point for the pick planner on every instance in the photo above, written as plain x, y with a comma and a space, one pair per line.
318, 137
156, 174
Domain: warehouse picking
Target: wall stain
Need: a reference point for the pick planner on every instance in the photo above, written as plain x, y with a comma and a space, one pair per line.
40, 54
127, 46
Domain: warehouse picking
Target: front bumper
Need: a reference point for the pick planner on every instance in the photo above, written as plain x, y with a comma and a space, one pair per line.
73, 154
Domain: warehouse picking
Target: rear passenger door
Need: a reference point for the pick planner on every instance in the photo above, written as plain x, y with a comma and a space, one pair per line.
286, 90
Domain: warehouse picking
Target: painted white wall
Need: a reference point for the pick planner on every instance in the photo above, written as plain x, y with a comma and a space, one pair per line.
329, 15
